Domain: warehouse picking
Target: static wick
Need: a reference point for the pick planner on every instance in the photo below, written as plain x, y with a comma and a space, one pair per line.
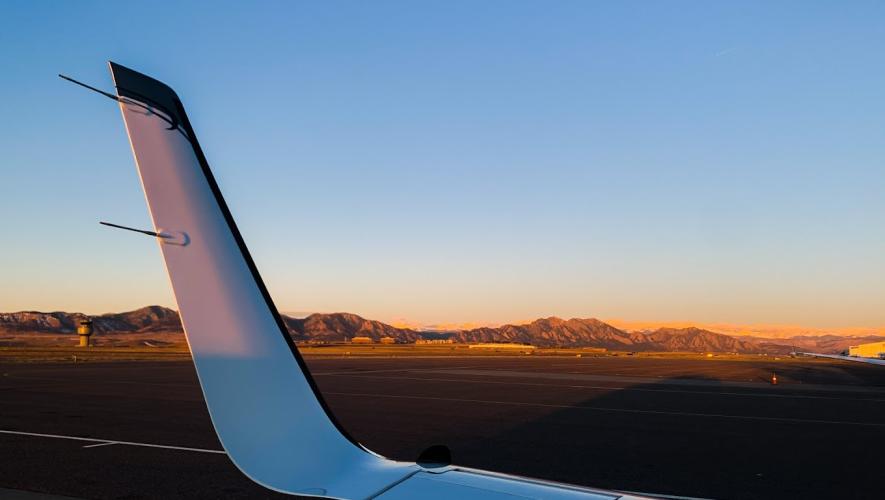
90, 87
142, 231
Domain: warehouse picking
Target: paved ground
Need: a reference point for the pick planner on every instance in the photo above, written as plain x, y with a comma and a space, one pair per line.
704, 428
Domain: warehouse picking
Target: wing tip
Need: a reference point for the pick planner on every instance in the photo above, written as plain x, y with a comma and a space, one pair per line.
138, 86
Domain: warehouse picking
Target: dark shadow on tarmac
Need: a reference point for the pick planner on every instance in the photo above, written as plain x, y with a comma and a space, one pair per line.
699, 456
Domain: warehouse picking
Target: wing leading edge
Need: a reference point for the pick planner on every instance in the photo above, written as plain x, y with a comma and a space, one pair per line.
264, 405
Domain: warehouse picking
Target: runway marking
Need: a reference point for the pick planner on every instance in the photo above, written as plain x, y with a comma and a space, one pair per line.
358, 372
128, 382
661, 495
615, 388
671, 381
618, 410
9, 494
111, 441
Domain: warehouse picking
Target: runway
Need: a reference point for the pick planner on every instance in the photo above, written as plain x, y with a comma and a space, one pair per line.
685, 427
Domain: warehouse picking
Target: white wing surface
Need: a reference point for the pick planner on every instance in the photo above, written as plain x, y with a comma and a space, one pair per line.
264, 405
856, 359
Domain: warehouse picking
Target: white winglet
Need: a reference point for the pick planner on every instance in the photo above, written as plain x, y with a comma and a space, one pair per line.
264, 405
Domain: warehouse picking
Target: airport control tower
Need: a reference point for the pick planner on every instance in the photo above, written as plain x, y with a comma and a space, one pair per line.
84, 330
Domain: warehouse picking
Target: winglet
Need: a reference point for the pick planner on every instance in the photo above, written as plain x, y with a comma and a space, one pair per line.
264, 404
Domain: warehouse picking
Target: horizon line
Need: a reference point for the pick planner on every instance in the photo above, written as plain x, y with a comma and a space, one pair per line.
730, 328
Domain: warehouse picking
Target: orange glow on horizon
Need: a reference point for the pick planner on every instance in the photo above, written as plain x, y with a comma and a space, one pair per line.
753, 330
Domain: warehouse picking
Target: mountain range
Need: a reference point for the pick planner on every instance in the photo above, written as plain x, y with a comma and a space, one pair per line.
144, 320
544, 332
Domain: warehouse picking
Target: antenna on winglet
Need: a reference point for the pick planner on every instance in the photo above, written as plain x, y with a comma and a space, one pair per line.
90, 87
142, 231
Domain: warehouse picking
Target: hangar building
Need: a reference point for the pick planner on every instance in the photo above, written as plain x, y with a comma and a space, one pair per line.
871, 350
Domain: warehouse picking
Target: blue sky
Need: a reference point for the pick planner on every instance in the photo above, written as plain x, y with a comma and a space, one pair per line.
468, 161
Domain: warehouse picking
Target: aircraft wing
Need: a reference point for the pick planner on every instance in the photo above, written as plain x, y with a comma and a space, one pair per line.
264, 404
872, 361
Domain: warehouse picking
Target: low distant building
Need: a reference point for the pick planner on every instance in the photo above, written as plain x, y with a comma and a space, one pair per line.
434, 341
362, 340
388, 340
871, 350
494, 345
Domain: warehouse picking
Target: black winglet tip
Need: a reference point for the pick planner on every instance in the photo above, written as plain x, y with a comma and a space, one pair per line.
113, 66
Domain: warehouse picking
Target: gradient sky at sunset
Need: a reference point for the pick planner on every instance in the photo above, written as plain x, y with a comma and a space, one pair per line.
468, 161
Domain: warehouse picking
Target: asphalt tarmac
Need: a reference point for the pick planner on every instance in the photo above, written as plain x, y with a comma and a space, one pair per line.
684, 427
